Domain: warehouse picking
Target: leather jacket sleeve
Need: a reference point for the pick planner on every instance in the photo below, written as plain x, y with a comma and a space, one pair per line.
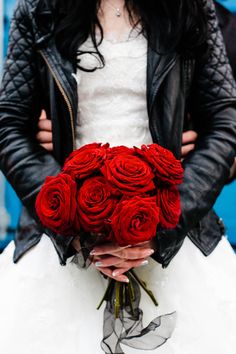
227, 21
23, 161
207, 167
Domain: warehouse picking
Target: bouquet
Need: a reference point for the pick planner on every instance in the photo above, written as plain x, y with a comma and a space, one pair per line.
114, 194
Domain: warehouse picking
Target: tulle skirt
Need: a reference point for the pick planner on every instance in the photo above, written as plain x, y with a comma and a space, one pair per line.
49, 309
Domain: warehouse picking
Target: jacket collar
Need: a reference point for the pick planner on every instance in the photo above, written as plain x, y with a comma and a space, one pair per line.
42, 17
43, 25
158, 66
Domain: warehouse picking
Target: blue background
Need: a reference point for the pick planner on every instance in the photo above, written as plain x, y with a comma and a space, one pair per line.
230, 4
225, 205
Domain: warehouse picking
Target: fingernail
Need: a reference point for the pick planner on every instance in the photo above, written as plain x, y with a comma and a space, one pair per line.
98, 264
115, 273
144, 263
150, 252
125, 280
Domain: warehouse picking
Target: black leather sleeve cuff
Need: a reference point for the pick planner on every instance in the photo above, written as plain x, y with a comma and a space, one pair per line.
62, 246
168, 243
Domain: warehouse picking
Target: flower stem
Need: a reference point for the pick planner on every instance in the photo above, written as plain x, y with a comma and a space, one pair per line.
117, 298
124, 294
108, 290
130, 297
144, 287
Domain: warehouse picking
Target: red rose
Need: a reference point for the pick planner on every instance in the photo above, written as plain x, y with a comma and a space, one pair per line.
135, 220
168, 200
85, 161
166, 167
56, 205
96, 204
119, 150
129, 174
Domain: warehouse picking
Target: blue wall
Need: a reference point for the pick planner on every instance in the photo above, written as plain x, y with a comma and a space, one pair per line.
230, 4
225, 207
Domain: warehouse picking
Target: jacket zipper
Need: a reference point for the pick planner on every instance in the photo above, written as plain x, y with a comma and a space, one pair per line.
64, 95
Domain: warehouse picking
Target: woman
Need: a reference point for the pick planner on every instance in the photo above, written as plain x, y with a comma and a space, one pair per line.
134, 67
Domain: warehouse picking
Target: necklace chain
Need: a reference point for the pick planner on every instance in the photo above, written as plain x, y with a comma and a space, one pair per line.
118, 11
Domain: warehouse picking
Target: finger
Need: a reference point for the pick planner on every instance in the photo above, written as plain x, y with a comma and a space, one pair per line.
140, 244
132, 264
134, 253
107, 261
119, 263
48, 146
107, 249
43, 115
44, 137
185, 150
126, 266
122, 270
108, 272
189, 136
45, 124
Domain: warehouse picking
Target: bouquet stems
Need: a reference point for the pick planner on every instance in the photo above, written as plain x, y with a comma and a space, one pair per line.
124, 294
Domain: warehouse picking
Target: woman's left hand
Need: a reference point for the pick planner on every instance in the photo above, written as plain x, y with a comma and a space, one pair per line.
44, 135
189, 139
113, 260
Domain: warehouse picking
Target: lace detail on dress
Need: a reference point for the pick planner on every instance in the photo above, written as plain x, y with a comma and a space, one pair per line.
127, 35
112, 100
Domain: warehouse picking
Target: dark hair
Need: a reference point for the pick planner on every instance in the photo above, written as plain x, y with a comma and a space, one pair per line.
181, 24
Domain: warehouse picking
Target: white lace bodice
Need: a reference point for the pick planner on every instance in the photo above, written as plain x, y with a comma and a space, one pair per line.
112, 100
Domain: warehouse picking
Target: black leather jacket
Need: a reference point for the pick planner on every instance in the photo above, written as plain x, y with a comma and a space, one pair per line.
36, 77
227, 22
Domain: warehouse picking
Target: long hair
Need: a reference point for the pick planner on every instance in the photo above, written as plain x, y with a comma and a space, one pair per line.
181, 25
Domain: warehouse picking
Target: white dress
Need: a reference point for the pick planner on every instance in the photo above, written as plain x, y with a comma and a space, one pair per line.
49, 309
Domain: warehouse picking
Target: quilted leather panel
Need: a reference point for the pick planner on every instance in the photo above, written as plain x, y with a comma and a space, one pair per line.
215, 79
23, 161
19, 76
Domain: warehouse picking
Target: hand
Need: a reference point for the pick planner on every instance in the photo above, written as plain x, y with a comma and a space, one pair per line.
188, 142
113, 260
44, 135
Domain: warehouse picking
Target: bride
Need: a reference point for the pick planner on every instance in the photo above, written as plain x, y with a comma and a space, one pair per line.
123, 72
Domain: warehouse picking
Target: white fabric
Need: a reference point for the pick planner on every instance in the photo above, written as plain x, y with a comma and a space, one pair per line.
112, 100
49, 309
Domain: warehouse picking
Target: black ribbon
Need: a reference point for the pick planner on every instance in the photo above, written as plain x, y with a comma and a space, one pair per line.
128, 329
